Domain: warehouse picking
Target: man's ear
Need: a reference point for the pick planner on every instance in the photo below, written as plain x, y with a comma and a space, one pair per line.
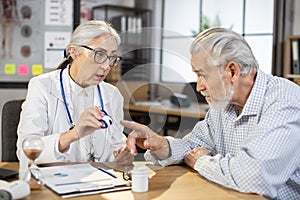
233, 69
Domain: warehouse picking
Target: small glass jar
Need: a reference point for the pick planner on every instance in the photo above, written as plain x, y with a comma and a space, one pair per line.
140, 179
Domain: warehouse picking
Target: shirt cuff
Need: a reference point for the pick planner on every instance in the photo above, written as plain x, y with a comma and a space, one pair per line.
59, 155
199, 163
164, 152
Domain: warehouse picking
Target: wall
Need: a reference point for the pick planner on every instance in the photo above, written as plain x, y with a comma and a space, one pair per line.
8, 94
296, 27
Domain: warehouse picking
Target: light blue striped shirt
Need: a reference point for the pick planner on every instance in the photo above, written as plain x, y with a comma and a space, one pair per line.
255, 152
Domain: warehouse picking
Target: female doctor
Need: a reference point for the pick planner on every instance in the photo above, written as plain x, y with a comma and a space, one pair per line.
72, 109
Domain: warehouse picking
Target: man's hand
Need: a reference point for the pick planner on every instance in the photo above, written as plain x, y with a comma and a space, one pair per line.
123, 156
144, 137
192, 156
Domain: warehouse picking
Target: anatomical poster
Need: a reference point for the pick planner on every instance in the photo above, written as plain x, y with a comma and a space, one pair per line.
23, 24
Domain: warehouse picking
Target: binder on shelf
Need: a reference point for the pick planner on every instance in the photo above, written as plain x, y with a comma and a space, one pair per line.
123, 23
295, 56
139, 38
119, 23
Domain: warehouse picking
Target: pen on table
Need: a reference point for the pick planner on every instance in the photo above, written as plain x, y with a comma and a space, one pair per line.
80, 182
107, 172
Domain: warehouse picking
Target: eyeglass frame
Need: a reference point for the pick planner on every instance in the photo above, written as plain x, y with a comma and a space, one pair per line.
115, 63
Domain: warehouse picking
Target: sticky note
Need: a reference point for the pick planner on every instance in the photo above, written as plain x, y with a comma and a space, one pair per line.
23, 70
37, 69
10, 69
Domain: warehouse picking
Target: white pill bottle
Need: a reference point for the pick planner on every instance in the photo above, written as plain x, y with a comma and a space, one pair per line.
140, 179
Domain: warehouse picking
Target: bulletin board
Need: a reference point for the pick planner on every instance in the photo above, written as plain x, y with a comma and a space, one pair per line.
34, 34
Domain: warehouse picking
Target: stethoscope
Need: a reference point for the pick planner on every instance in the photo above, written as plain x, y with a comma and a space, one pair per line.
106, 120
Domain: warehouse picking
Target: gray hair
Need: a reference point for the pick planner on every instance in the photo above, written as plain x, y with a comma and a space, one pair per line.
85, 33
222, 46
90, 30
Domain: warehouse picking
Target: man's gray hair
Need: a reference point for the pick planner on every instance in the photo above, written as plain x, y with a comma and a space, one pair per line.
222, 46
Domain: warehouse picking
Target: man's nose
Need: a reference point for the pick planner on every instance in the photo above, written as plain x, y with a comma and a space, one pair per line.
201, 85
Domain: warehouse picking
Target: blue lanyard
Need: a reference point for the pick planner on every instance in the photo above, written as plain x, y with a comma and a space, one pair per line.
65, 101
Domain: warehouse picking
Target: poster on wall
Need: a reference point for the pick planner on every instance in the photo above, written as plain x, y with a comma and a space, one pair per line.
24, 27
55, 43
57, 13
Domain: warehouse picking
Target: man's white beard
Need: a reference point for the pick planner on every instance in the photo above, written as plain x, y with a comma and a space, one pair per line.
221, 104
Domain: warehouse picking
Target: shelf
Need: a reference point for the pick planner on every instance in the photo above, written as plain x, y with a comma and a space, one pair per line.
292, 75
131, 24
121, 8
288, 59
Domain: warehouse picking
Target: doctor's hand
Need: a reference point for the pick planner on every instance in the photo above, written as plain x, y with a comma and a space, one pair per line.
192, 156
89, 122
143, 137
123, 156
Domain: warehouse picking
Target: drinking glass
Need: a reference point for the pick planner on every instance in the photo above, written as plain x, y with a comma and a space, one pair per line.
33, 147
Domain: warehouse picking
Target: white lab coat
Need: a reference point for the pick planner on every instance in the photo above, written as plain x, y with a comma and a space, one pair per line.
44, 114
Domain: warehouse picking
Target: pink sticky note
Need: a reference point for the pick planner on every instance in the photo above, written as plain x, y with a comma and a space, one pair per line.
23, 70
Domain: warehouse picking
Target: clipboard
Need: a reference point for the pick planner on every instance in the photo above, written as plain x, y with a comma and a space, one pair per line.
80, 179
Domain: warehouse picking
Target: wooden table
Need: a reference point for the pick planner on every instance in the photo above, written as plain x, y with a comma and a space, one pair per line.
173, 182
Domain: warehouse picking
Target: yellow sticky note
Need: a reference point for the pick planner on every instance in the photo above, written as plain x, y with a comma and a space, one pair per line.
10, 69
37, 69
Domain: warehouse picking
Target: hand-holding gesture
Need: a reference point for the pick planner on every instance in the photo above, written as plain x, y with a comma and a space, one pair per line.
192, 156
89, 121
123, 156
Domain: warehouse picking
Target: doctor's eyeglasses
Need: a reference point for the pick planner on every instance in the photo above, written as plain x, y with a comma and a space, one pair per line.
100, 56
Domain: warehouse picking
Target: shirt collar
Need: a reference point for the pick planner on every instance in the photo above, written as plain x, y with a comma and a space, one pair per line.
77, 90
255, 99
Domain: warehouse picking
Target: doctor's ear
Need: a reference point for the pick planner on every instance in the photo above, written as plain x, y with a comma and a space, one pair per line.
72, 51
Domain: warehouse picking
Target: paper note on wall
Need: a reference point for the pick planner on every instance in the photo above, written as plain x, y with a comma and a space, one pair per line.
37, 69
59, 12
22, 70
55, 43
10, 69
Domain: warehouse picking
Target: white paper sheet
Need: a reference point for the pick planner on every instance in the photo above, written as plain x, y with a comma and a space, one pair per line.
79, 178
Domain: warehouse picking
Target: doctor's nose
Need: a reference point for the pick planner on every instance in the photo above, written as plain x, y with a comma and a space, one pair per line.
105, 66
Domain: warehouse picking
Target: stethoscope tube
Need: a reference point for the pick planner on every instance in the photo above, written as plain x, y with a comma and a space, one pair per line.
106, 120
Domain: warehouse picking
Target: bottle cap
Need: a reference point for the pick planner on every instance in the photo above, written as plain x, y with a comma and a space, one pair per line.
140, 169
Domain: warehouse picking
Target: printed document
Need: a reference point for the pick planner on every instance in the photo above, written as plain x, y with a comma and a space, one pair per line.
80, 178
